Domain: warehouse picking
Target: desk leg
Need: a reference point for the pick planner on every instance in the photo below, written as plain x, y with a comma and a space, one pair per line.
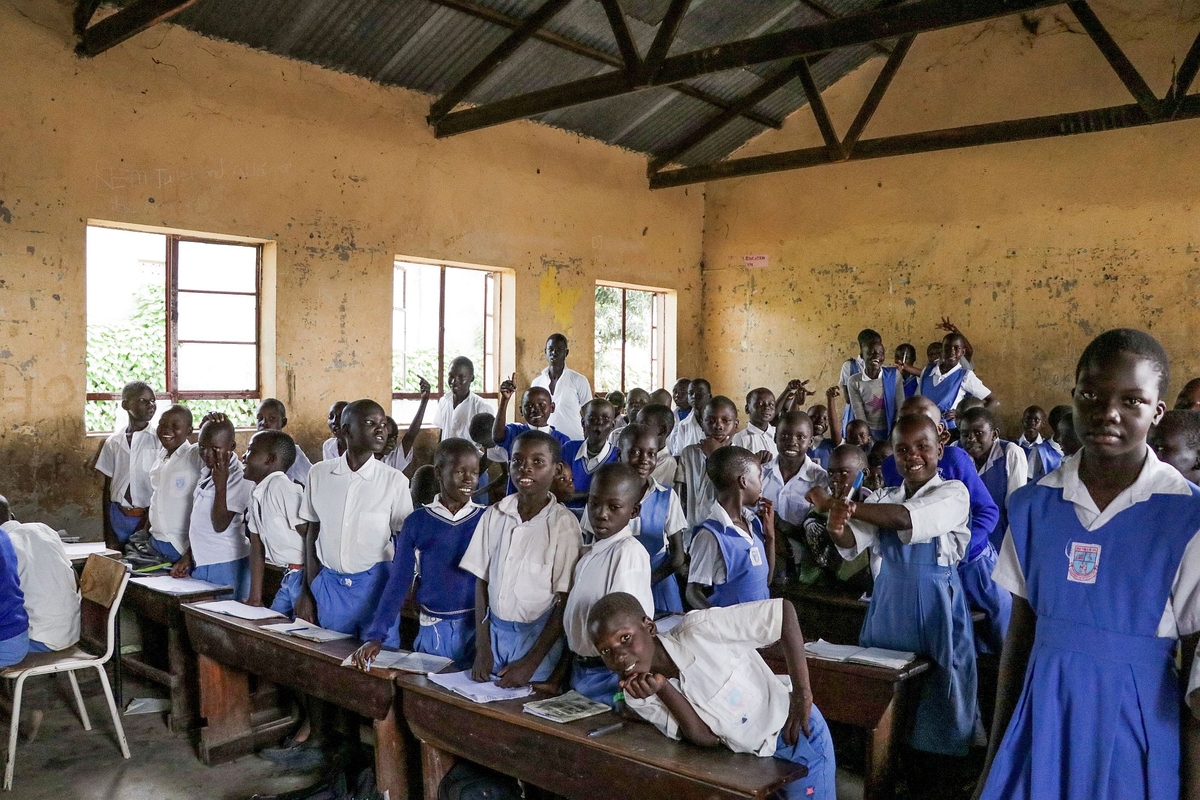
225, 706
182, 669
391, 757
434, 766
879, 781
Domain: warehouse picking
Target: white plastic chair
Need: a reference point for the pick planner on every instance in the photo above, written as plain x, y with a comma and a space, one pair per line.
103, 583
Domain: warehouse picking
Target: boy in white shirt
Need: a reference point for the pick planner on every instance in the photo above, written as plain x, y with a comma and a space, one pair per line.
47, 581
568, 389
523, 553
690, 430
276, 535
173, 480
786, 480
615, 562
759, 433
125, 460
333, 447
353, 505
458, 407
272, 416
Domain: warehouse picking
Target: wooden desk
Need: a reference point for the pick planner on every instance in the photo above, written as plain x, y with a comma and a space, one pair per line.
230, 650
834, 614
634, 762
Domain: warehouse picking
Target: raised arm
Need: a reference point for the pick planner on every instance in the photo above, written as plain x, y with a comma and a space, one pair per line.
414, 427
835, 419
499, 429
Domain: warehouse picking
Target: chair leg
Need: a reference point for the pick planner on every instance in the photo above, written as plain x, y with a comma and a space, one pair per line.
11, 763
83, 715
112, 707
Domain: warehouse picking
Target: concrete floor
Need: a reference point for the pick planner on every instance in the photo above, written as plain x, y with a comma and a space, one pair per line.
65, 762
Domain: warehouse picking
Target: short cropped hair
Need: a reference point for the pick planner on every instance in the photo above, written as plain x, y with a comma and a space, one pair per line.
424, 486
1185, 422
613, 606
1030, 409
1057, 413
658, 412
541, 437
622, 475
180, 409
133, 389
222, 426
480, 429
794, 416
282, 446
976, 414
852, 452
1127, 340
358, 408
558, 337
880, 451
694, 381
630, 433
866, 336
462, 361
275, 403
452, 448
721, 401
727, 464
907, 352
616, 398
918, 421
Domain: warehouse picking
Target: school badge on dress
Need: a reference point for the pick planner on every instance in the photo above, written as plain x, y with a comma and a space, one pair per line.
1085, 562
755, 557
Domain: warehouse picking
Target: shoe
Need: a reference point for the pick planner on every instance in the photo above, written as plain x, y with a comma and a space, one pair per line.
295, 755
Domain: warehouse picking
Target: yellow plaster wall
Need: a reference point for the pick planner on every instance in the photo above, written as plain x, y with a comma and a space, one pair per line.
171, 129
1032, 248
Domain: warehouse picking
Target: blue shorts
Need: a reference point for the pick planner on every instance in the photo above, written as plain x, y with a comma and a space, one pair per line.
816, 753
165, 549
122, 524
346, 601
289, 592
227, 573
14, 650
597, 683
511, 641
37, 647
449, 638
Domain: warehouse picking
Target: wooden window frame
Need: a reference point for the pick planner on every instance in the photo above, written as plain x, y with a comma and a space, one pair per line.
658, 320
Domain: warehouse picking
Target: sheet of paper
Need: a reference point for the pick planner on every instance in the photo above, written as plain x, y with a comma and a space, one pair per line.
405, 661
486, 692
287, 627
315, 634
827, 651
165, 583
879, 657
79, 551
240, 610
567, 707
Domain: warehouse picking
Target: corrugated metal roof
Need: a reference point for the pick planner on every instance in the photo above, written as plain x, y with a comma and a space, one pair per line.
425, 46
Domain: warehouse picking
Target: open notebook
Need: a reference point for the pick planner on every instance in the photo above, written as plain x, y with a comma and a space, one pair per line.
853, 654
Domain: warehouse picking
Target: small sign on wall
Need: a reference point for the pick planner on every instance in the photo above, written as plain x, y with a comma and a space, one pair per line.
761, 261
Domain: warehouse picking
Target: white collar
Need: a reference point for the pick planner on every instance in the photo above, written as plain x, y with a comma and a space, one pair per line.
583, 456
809, 471
719, 513
1023, 441
752, 428
894, 492
261, 487
937, 369
436, 507
508, 507
1154, 478
997, 452
600, 545
342, 467
10, 525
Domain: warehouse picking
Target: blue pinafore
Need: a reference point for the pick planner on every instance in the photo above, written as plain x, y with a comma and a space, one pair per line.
919, 606
945, 393
1099, 712
912, 385
1049, 459
652, 523
579, 471
747, 576
996, 481
890, 406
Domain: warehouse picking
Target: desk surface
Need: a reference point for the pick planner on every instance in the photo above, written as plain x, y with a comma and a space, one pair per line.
730, 774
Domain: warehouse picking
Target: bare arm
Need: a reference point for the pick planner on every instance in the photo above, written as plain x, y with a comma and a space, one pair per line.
673, 563
766, 515
507, 389
691, 727
220, 515
793, 652
482, 669
110, 536
835, 419
414, 427
697, 595
520, 671
306, 606
257, 562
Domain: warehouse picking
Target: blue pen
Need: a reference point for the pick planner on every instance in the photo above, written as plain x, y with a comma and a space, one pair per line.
858, 482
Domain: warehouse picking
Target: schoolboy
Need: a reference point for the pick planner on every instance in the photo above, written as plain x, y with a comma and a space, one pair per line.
614, 562
875, 392
661, 421
920, 530
1102, 560
858, 433
333, 447
584, 456
523, 553
274, 522
568, 389
947, 382
438, 535
124, 461
691, 480
1047, 455
1176, 441
352, 505
787, 478
821, 556
14, 621
821, 416
460, 405
1032, 421
690, 429
424, 485
1189, 396
536, 407
617, 398
759, 434
173, 479
398, 453
661, 397
634, 403
679, 394
47, 581
706, 683
272, 416
733, 551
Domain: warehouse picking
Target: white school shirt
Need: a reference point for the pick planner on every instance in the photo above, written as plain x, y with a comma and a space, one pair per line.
1023, 442
1181, 615
664, 473
329, 449
940, 512
844, 375
48, 583
789, 498
455, 422
592, 463
971, 384
525, 563
616, 564
756, 440
675, 523
698, 489
707, 566
1016, 461
127, 464
865, 396
358, 512
173, 481
208, 545
571, 393
398, 459
686, 432
724, 678
298, 472
274, 515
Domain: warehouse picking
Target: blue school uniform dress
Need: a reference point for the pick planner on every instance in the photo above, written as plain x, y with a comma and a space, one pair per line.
583, 467
1099, 711
514, 429
918, 605
652, 532
945, 393
14, 621
912, 386
1045, 457
821, 452
729, 560
445, 593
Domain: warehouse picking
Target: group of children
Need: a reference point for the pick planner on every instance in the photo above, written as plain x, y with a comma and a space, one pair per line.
554, 571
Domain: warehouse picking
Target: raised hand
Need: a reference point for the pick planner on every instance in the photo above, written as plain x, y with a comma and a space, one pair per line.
508, 388
643, 685
947, 326
424, 386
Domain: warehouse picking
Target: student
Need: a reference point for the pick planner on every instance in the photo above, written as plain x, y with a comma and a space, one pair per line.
660, 524
523, 553
933, 354
333, 447
272, 416
880, 452
398, 453
634, 403
1176, 441
905, 362
614, 562
733, 551
660, 397
858, 433
689, 431
1065, 435
920, 530
47, 581
947, 382
1189, 396
460, 405
617, 399
352, 505
124, 461
274, 521
584, 456
659, 419
1002, 465
537, 408
424, 485
679, 394
792, 396
1047, 455
705, 682
436, 536
173, 479
567, 388
14, 621
787, 478
1032, 420
1102, 560
691, 480
494, 464
820, 416
821, 556
875, 392
759, 434
852, 367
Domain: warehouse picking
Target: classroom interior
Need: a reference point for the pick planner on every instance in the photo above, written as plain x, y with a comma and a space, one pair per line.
1031, 247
